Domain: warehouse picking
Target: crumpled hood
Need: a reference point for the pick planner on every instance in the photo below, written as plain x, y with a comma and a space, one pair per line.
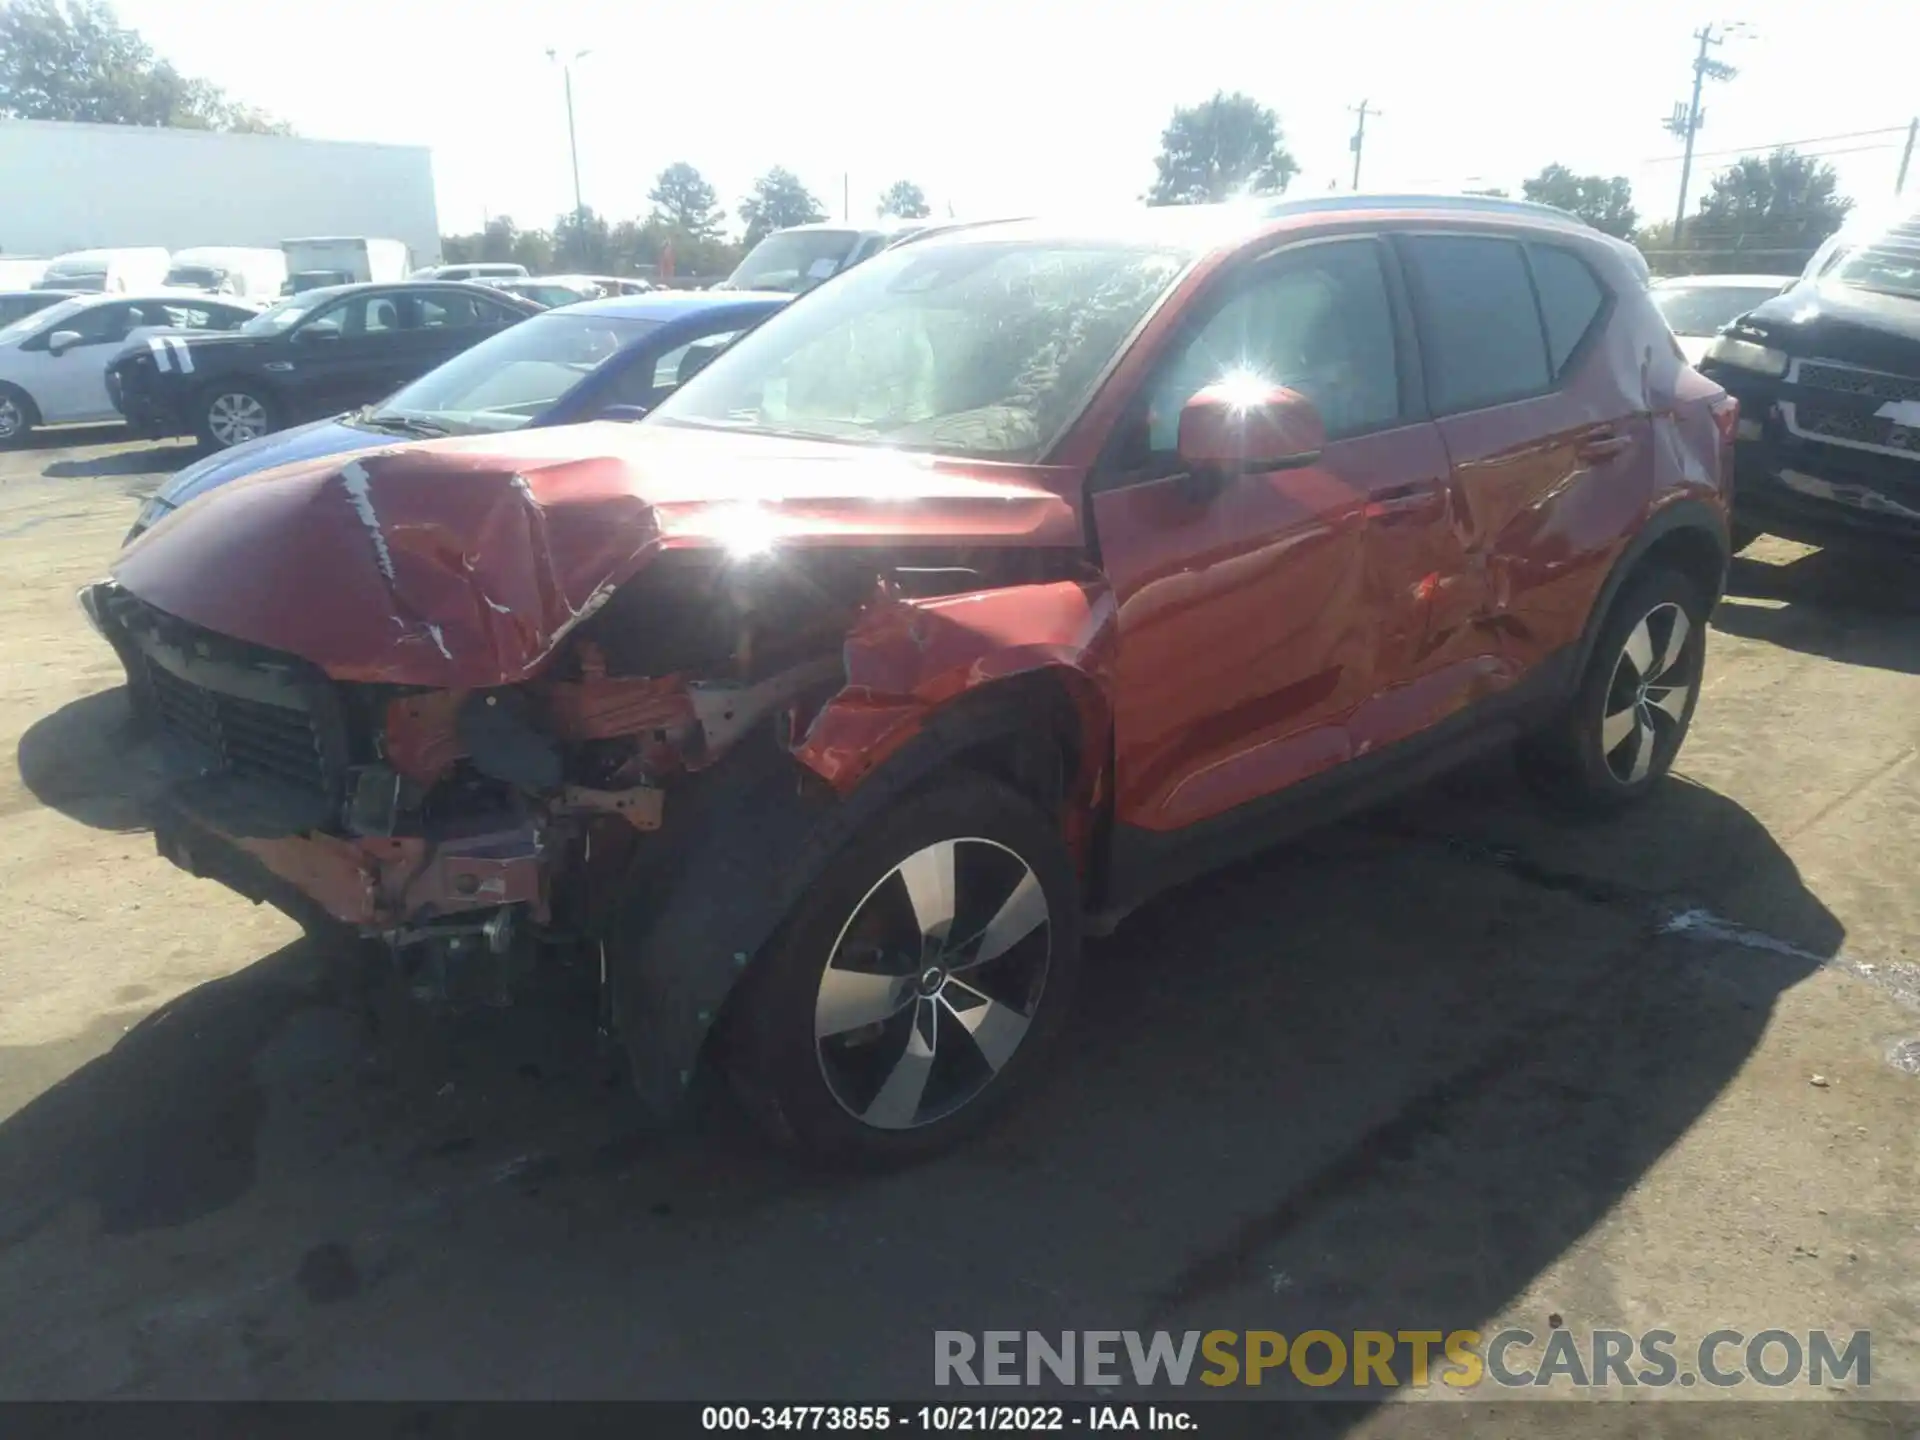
463, 563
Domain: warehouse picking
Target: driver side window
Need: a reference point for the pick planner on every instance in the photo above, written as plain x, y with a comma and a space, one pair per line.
96, 325
1317, 321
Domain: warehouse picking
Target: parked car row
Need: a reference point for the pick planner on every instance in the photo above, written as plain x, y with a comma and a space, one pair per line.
606, 359
55, 358
953, 610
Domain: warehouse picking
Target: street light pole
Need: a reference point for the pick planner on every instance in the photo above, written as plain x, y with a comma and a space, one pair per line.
573, 142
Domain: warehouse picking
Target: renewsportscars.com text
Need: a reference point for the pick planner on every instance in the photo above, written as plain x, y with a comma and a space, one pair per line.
1388, 1359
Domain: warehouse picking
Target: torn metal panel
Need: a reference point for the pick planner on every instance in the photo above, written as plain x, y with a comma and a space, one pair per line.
906, 659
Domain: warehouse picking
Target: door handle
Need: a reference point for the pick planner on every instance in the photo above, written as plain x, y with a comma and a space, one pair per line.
1603, 444
1407, 502
278, 365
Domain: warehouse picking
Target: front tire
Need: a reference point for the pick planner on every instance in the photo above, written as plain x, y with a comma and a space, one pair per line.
1625, 724
917, 986
231, 415
18, 416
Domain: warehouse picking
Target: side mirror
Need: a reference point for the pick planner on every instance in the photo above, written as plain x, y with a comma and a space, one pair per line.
62, 341
1238, 427
622, 412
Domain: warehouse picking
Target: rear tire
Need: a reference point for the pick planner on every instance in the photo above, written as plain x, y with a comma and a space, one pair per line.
1625, 724
18, 416
867, 1034
232, 414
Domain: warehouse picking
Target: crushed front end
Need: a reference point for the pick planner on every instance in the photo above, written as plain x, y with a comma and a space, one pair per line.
491, 701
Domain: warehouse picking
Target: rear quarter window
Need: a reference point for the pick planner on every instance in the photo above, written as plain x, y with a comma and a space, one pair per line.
1479, 326
1572, 301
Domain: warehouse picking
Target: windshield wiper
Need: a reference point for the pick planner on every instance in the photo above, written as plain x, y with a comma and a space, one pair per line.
400, 424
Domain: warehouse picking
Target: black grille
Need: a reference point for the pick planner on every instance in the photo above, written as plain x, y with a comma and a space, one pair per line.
1873, 384
249, 737
1856, 428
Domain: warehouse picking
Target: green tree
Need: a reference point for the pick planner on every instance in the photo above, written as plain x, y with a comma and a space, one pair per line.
1229, 145
904, 200
1606, 204
73, 60
684, 201
583, 242
778, 200
1783, 202
533, 249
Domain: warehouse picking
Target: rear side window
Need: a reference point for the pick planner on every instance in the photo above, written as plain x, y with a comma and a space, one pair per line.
1479, 326
1570, 301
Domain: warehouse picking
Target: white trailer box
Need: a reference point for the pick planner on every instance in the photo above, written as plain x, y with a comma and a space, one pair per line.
138, 267
74, 187
250, 274
345, 257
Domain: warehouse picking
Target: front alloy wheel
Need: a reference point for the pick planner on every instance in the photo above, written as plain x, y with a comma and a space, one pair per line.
917, 985
1647, 699
932, 983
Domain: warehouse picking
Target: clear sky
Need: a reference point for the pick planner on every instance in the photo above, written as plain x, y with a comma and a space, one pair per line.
998, 106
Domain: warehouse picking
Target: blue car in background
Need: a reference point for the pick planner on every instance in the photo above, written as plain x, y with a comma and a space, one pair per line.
602, 359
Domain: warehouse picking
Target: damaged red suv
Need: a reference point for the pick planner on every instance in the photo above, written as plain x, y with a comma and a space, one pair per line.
1015, 576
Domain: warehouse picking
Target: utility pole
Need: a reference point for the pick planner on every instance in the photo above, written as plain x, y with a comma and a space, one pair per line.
1686, 119
1906, 155
573, 143
1359, 136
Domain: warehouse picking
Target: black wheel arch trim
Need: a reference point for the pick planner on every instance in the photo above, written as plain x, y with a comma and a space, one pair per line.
1676, 516
750, 837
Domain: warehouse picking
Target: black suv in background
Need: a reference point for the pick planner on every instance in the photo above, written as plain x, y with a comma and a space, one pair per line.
312, 355
1828, 378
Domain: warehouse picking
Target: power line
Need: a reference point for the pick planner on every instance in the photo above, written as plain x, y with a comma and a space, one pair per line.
1776, 145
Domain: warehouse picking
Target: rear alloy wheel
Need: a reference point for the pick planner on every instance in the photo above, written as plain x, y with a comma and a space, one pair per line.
233, 415
1650, 695
1624, 726
916, 984
16, 415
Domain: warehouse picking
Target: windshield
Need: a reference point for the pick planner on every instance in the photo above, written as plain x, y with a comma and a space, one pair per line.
793, 260
1889, 262
278, 319
502, 383
51, 317
983, 348
196, 276
1706, 309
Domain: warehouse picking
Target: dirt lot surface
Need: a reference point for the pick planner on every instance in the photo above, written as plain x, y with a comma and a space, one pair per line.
1452, 1065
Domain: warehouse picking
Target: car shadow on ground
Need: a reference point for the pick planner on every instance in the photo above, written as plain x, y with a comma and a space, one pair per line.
84, 760
159, 458
1854, 605
1378, 1079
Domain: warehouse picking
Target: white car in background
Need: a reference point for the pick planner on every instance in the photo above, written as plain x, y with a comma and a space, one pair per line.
1697, 307
53, 363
